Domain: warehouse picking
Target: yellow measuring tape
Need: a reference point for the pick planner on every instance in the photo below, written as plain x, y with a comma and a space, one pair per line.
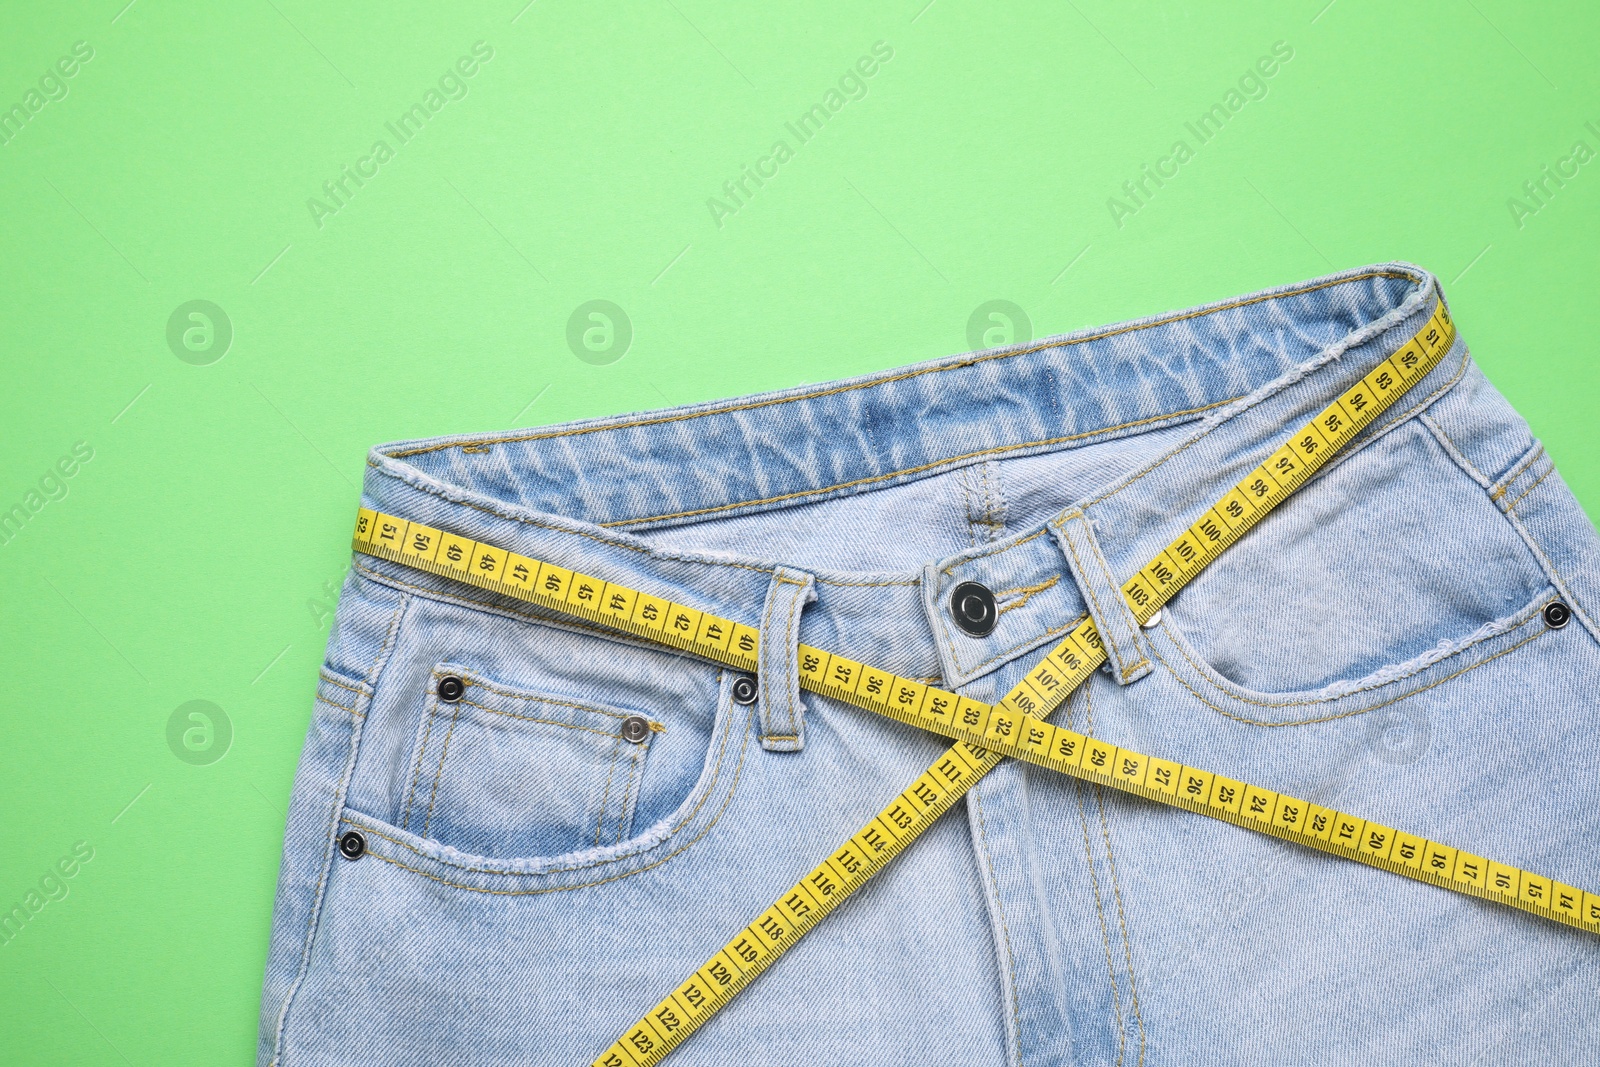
1014, 726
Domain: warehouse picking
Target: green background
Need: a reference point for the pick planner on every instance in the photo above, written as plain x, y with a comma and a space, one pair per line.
197, 555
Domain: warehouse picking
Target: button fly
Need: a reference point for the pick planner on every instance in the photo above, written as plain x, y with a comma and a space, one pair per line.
744, 690
972, 607
635, 728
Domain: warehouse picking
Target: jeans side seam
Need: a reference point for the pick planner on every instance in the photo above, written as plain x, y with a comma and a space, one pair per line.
1511, 477
334, 812
1512, 506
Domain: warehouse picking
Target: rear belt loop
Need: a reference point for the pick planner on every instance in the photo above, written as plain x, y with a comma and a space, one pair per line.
1118, 631
782, 714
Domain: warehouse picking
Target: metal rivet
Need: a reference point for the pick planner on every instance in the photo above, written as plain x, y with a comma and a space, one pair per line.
744, 690
1557, 615
1153, 621
972, 607
451, 688
352, 846
635, 728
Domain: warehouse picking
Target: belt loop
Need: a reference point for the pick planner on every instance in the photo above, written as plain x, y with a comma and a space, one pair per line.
1112, 617
782, 714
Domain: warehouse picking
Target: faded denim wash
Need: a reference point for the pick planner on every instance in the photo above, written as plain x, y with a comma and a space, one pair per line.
534, 882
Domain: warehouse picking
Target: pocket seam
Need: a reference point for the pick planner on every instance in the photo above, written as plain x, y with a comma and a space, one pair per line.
416, 761
366, 823
525, 697
528, 695
438, 773
605, 797
1177, 676
732, 789
655, 727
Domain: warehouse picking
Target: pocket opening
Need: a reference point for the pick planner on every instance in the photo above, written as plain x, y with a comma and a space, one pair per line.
502, 771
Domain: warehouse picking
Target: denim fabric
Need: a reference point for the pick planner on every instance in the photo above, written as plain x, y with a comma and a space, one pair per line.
534, 882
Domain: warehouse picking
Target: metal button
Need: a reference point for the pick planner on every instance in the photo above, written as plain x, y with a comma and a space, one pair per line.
635, 728
744, 690
1557, 615
352, 846
451, 688
972, 606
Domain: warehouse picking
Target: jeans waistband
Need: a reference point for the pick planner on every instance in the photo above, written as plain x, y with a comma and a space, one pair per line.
1240, 373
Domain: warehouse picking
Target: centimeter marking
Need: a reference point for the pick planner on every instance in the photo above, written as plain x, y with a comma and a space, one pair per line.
1015, 726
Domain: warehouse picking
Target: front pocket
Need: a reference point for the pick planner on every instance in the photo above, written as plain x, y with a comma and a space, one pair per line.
505, 772
1385, 559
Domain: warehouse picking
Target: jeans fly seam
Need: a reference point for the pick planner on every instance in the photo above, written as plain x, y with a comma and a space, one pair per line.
1122, 919
1122, 922
1005, 929
1116, 894
1024, 593
334, 811
1094, 884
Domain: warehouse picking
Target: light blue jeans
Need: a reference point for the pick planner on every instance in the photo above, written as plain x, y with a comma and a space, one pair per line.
539, 872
